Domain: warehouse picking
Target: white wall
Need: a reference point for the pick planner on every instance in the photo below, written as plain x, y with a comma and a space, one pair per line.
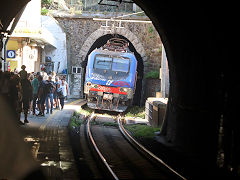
59, 53
31, 16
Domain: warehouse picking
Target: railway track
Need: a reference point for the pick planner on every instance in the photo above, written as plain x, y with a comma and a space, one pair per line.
123, 157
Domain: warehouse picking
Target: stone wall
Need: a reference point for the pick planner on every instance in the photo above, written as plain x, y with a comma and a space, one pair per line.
153, 86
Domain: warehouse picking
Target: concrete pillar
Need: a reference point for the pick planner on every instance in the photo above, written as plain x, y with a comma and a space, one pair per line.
134, 7
164, 74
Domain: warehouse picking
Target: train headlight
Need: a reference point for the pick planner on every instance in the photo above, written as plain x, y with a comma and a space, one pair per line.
95, 86
123, 89
89, 83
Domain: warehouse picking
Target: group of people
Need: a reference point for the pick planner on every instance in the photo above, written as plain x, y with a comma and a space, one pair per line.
32, 92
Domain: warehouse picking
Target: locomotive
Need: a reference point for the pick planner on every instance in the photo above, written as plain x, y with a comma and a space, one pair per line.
111, 75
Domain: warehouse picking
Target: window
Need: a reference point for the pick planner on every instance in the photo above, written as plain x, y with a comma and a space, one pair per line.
116, 64
102, 62
120, 65
76, 70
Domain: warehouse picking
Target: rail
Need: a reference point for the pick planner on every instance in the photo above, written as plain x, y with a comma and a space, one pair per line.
142, 148
96, 148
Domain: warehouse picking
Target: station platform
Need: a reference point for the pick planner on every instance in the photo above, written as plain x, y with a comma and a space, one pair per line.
48, 137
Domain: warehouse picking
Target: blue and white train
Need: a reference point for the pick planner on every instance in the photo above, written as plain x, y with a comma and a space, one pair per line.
111, 76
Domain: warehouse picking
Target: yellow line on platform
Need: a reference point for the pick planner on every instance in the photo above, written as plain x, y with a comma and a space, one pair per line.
75, 102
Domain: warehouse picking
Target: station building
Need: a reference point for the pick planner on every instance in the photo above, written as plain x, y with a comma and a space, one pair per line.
37, 42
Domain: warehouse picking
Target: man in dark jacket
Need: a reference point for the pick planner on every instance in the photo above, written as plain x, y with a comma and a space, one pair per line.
42, 95
50, 88
35, 84
26, 96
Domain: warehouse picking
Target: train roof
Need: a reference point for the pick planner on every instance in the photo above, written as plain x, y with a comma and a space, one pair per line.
113, 53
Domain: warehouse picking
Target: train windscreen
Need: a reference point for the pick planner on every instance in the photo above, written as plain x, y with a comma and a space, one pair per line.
120, 65
103, 62
116, 64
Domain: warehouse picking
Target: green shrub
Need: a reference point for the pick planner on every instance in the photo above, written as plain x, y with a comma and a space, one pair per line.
85, 111
112, 124
44, 11
150, 29
46, 3
136, 111
75, 121
140, 130
152, 74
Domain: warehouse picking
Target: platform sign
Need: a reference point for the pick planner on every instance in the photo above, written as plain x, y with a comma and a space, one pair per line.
11, 54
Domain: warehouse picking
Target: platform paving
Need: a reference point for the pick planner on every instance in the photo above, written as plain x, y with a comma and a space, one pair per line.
49, 141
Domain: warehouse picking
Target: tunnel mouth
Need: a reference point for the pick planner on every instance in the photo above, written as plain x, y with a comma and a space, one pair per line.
140, 67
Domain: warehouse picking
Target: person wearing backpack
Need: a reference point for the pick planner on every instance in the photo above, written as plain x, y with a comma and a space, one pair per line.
42, 95
50, 89
26, 97
35, 85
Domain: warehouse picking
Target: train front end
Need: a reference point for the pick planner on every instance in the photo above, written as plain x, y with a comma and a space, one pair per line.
110, 80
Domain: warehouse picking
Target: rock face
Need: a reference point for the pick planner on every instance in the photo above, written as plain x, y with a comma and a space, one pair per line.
83, 32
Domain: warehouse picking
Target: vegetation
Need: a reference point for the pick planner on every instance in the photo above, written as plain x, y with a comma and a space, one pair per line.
113, 124
136, 111
44, 11
141, 14
77, 117
46, 3
142, 131
75, 120
73, 7
160, 49
150, 29
85, 111
152, 74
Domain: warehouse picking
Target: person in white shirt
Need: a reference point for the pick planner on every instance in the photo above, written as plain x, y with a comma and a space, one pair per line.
62, 91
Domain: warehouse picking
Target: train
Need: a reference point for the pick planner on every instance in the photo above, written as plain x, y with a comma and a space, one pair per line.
111, 75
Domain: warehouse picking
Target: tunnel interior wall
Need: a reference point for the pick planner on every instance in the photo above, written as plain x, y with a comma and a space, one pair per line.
193, 40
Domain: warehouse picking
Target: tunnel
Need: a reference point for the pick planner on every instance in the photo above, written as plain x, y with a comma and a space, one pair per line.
140, 67
198, 38
203, 92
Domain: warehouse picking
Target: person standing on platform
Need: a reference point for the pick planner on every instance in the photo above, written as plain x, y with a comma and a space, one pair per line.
55, 96
35, 85
23, 72
42, 95
50, 88
26, 96
63, 87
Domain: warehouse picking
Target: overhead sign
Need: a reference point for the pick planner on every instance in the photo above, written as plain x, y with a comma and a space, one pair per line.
11, 54
27, 32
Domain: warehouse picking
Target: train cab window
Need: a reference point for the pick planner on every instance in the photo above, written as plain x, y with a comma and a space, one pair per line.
120, 65
103, 62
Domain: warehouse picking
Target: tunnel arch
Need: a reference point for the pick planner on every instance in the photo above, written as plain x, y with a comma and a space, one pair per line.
121, 31
140, 67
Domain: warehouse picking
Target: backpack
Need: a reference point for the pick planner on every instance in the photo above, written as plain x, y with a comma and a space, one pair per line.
27, 90
60, 93
48, 87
